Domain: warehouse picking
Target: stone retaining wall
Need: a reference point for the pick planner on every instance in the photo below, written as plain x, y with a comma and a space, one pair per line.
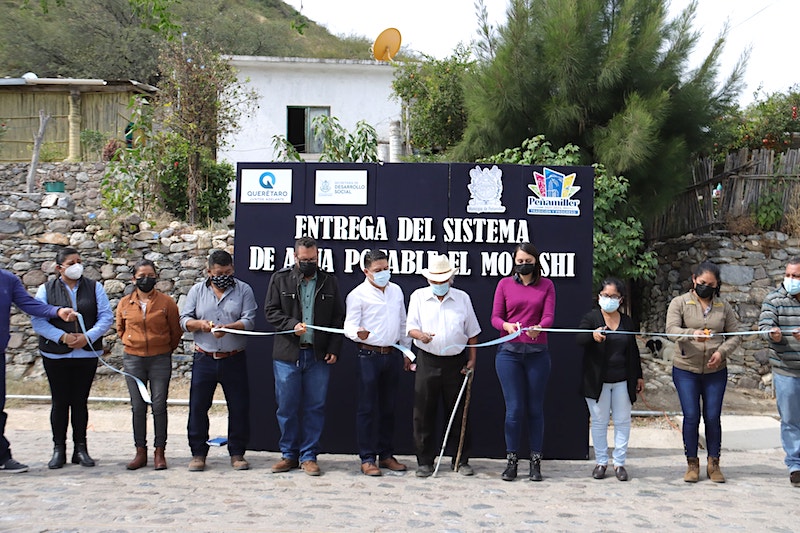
34, 226
751, 267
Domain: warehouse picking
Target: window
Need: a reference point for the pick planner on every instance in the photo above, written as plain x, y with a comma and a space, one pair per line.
298, 128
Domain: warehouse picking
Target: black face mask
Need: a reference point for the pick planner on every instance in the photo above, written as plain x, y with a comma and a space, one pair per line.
705, 291
223, 282
524, 269
145, 284
307, 268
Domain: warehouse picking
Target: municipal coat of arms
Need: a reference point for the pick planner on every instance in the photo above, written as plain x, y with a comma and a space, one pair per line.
486, 188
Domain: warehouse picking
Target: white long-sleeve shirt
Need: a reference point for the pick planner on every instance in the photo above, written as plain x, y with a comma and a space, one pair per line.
452, 320
381, 312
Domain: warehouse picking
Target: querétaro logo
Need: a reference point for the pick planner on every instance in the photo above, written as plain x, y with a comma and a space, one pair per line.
553, 194
267, 180
262, 186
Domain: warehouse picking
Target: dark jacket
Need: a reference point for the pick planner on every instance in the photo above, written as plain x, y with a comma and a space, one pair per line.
595, 357
87, 306
283, 310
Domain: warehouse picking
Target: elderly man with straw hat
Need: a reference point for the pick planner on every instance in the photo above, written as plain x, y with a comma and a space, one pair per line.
442, 322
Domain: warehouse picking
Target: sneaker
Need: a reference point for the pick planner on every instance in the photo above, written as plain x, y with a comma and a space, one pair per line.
465, 469
238, 462
424, 471
284, 465
197, 464
794, 478
13, 467
311, 467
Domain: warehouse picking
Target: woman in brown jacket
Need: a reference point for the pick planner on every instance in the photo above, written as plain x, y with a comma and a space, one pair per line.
148, 325
699, 369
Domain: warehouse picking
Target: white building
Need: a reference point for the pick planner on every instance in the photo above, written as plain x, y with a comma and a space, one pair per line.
292, 91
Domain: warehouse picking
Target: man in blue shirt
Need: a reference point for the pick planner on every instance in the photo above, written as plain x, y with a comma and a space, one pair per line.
12, 291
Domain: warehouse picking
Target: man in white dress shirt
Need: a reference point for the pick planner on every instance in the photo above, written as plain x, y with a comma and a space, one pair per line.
442, 322
376, 319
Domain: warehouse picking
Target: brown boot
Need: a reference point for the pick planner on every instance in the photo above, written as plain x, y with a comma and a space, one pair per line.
692, 474
140, 460
159, 461
713, 471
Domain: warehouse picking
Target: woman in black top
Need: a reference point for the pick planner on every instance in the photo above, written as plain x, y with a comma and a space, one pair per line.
612, 375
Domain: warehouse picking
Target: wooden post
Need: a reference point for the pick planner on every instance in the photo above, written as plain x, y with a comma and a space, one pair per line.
37, 146
74, 136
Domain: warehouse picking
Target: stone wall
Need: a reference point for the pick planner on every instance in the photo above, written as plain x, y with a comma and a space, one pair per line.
34, 226
751, 266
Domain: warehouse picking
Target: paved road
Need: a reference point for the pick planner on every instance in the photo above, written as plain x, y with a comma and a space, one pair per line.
108, 498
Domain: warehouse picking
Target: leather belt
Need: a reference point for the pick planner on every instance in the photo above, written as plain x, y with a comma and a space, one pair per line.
217, 355
306, 345
383, 350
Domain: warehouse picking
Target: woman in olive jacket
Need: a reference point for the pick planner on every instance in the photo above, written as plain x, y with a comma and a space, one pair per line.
612, 375
699, 369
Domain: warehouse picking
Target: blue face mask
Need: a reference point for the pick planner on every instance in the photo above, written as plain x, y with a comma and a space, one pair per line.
440, 289
381, 279
791, 285
609, 305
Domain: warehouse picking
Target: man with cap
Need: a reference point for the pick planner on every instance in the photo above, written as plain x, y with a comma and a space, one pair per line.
442, 322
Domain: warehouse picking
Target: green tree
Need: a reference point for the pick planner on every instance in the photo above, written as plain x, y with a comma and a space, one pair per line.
338, 145
200, 101
608, 75
619, 246
432, 96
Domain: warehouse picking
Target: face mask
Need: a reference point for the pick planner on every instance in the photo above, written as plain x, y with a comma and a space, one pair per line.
440, 289
609, 305
791, 285
381, 279
307, 268
524, 269
145, 284
74, 272
223, 282
704, 291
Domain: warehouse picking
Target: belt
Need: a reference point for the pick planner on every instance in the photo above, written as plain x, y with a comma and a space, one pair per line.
306, 345
217, 355
383, 350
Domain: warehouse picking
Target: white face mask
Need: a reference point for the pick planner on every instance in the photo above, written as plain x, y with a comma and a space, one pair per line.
791, 285
381, 279
609, 305
74, 272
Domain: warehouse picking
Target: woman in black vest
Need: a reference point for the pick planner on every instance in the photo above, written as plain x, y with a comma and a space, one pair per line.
69, 355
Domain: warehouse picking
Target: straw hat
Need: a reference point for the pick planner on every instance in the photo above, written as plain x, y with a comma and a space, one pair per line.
439, 269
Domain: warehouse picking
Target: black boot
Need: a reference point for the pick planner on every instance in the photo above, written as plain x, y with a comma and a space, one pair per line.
59, 457
536, 467
510, 473
81, 455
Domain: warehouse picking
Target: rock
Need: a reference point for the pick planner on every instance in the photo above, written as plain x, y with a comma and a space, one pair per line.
10, 226
763, 355
736, 275
53, 238
34, 278
113, 286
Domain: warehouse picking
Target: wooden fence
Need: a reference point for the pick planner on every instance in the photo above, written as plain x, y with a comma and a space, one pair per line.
714, 201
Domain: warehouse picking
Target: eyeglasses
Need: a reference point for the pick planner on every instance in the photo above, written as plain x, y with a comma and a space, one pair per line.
611, 296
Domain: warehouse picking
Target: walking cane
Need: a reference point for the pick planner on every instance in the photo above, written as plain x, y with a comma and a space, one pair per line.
470, 375
450, 423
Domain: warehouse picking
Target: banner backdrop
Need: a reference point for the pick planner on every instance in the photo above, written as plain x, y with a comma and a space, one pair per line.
474, 213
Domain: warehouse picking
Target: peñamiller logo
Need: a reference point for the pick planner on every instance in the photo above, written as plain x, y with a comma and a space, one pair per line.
266, 186
553, 194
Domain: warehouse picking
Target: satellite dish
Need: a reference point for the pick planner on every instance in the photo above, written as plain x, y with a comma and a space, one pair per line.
387, 45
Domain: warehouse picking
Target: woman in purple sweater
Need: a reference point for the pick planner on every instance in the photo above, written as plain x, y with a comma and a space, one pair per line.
524, 300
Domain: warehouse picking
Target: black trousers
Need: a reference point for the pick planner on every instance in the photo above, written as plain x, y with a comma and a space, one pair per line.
438, 379
70, 383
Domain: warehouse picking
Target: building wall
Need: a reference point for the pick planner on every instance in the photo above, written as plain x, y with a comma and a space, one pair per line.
354, 91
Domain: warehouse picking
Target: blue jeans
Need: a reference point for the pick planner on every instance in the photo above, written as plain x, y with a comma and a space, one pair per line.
5, 447
787, 394
378, 376
613, 400
231, 373
523, 378
300, 391
155, 370
691, 389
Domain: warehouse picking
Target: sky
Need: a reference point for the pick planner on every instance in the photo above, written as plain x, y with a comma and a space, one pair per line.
435, 27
